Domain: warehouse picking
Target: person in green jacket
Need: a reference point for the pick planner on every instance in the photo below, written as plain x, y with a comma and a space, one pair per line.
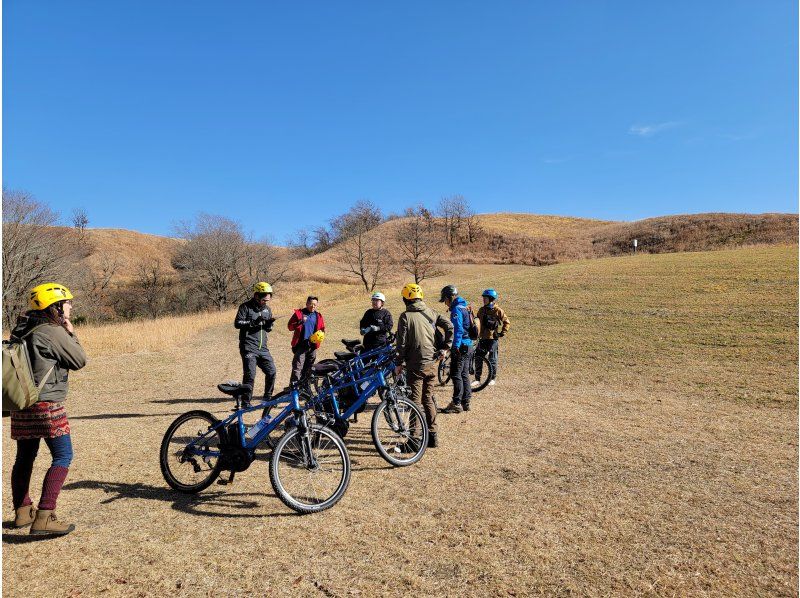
416, 332
54, 350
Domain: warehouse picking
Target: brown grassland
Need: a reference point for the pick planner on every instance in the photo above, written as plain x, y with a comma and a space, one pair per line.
642, 439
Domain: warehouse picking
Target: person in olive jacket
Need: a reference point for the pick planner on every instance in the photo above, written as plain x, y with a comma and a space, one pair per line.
54, 350
254, 320
377, 323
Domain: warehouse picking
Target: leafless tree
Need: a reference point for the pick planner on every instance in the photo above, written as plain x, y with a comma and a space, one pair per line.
260, 262
152, 286
80, 219
211, 256
418, 244
362, 254
95, 283
34, 251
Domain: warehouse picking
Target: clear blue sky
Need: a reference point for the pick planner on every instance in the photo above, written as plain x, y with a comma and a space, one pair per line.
284, 113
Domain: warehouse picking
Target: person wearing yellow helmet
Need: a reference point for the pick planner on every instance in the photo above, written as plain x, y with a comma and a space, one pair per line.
54, 350
306, 324
417, 351
254, 320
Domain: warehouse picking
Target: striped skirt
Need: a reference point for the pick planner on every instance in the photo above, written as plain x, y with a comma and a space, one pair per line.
40, 420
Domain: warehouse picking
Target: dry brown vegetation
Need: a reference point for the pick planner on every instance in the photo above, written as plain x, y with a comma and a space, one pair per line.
642, 439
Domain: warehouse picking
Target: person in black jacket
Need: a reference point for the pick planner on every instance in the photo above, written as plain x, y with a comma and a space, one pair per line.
254, 320
377, 323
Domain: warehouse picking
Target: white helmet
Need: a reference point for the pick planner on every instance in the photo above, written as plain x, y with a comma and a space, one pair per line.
380, 296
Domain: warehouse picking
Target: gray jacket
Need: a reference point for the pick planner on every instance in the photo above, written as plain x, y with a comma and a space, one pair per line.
50, 345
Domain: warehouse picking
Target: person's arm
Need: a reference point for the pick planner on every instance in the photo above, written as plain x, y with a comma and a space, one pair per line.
388, 323
294, 322
458, 327
242, 319
62, 346
364, 323
442, 322
402, 336
506, 322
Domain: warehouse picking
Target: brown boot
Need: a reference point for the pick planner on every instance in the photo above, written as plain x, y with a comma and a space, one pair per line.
452, 408
46, 524
25, 516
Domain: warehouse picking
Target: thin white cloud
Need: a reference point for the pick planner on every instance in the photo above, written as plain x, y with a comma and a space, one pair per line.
556, 160
650, 130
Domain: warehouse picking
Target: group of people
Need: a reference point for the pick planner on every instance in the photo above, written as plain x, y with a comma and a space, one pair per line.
54, 351
417, 349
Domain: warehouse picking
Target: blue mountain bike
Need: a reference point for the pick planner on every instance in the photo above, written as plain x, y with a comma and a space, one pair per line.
342, 387
309, 467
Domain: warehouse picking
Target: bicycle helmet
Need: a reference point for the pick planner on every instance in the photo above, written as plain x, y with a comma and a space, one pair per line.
380, 296
44, 295
412, 291
448, 292
491, 293
262, 287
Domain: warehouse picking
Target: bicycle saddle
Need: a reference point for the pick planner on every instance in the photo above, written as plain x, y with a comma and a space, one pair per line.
351, 344
343, 355
234, 388
327, 366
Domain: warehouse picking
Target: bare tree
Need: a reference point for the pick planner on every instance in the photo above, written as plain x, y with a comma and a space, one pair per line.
361, 253
473, 224
260, 261
152, 285
418, 244
212, 256
80, 219
33, 250
96, 286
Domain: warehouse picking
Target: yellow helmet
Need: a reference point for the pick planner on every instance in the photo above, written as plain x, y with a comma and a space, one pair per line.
262, 287
412, 291
317, 337
44, 295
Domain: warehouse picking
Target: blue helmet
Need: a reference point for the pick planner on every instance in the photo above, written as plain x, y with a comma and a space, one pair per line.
490, 293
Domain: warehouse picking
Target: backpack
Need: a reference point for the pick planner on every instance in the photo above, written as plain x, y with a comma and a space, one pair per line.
472, 327
19, 389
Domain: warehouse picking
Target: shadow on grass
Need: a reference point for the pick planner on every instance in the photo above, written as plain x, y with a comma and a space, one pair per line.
24, 538
196, 400
191, 504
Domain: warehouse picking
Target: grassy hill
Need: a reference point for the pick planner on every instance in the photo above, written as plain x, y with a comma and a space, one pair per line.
642, 439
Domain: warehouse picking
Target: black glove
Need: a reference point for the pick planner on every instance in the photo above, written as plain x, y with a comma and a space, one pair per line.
256, 321
463, 349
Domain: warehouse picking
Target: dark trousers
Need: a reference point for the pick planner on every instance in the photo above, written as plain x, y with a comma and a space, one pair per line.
27, 449
421, 382
459, 374
263, 361
486, 347
305, 354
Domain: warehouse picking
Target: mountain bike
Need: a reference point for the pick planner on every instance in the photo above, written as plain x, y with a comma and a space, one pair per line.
309, 467
486, 370
342, 389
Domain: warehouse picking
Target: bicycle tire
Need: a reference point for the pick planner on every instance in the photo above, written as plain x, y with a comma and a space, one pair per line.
170, 476
281, 455
487, 369
419, 444
443, 371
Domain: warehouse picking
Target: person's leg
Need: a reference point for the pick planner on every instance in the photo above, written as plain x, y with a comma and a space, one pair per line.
478, 362
297, 363
267, 365
428, 404
249, 370
21, 472
465, 382
456, 363
493, 356
310, 359
61, 450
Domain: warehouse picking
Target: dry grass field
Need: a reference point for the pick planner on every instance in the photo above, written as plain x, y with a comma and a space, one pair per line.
642, 439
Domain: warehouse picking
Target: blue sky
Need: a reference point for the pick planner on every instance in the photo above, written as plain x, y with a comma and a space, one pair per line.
284, 114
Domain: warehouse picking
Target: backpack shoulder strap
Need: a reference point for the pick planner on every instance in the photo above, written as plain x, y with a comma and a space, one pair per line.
41, 384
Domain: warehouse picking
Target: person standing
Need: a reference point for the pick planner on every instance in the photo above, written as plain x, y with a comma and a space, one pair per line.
377, 323
494, 325
54, 350
462, 350
416, 330
308, 326
254, 320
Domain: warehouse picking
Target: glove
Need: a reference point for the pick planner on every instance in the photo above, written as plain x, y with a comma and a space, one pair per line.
374, 328
365, 330
463, 349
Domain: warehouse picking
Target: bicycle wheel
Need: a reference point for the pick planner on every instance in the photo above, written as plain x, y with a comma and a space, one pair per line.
310, 485
487, 372
443, 373
192, 468
399, 431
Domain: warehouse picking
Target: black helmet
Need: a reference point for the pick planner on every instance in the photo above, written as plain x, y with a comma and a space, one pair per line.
448, 292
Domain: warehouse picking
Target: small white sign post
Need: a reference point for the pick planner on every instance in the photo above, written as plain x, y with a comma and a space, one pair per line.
635, 243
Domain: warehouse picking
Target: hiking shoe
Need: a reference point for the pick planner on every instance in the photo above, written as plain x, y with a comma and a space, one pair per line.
433, 442
465, 407
46, 524
452, 408
24, 516
492, 382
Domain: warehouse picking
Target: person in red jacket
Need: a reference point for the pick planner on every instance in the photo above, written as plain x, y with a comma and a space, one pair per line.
305, 322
